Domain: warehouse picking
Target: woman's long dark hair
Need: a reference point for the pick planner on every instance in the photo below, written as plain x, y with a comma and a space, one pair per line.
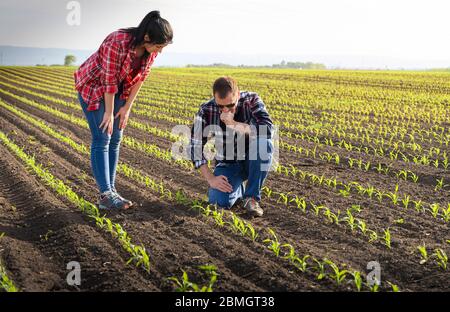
153, 25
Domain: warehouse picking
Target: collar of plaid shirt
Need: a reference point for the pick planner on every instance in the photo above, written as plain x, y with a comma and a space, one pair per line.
90, 78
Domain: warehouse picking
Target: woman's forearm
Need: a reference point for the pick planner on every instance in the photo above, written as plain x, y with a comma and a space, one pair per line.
133, 93
109, 103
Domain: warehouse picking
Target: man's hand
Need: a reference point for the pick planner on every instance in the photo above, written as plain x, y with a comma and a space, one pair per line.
220, 183
227, 118
123, 113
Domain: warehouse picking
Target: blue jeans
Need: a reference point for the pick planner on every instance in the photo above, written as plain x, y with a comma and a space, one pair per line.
104, 147
252, 169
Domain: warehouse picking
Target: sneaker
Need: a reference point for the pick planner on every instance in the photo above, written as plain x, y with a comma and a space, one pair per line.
127, 201
252, 207
109, 200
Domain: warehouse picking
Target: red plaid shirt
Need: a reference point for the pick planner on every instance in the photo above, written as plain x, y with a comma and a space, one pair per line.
108, 67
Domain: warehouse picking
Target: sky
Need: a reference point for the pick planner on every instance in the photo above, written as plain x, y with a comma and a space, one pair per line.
395, 31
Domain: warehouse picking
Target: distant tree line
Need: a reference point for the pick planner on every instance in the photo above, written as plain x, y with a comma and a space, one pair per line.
283, 64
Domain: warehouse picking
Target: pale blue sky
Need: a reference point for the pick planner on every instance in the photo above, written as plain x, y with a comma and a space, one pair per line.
406, 30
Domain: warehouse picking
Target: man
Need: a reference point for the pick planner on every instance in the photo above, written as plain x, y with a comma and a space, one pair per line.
243, 133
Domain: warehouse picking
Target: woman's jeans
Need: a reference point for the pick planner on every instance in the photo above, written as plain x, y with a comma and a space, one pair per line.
104, 147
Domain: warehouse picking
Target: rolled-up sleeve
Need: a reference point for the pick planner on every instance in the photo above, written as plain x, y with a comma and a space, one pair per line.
111, 63
198, 140
263, 123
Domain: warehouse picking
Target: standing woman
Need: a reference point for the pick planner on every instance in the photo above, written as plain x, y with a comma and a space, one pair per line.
107, 83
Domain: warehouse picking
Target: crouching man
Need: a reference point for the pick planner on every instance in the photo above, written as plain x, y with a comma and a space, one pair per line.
243, 141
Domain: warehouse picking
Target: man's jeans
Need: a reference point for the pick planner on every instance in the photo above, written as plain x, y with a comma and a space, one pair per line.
104, 147
254, 169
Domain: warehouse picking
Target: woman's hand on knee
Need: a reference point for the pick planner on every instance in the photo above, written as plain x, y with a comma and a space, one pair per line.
123, 113
107, 123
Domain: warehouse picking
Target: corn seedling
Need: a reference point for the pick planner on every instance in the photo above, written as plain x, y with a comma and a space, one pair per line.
300, 202
441, 258
423, 253
387, 238
434, 209
357, 280
406, 199
339, 275
274, 244
321, 269
5, 282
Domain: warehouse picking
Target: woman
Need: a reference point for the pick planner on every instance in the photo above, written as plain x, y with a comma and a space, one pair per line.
107, 83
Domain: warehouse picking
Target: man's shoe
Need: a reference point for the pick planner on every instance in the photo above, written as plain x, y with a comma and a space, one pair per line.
252, 207
110, 201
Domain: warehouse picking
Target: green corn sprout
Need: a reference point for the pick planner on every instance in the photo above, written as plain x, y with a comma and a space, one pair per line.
441, 258
414, 177
185, 284
393, 287
393, 197
434, 209
423, 253
357, 280
274, 244
350, 219
301, 263
300, 202
283, 198
321, 269
267, 191
317, 208
362, 226
339, 275
218, 217
379, 194
405, 201
446, 213
373, 236
387, 238
332, 217
251, 230
418, 205
5, 282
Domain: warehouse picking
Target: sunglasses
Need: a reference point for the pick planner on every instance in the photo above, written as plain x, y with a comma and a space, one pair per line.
229, 106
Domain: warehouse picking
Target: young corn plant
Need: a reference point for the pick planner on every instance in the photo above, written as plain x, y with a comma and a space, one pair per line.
373, 236
434, 209
387, 238
446, 213
185, 285
332, 217
440, 184
418, 206
274, 244
406, 200
423, 254
238, 225
350, 220
317, 208
414, 177
338, 275
357, 280
320, 268
441, 258
300, 202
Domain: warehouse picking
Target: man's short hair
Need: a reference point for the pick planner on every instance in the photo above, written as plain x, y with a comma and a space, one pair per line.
224, 85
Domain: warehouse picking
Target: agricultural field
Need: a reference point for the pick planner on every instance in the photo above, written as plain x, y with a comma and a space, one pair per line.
362, 182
